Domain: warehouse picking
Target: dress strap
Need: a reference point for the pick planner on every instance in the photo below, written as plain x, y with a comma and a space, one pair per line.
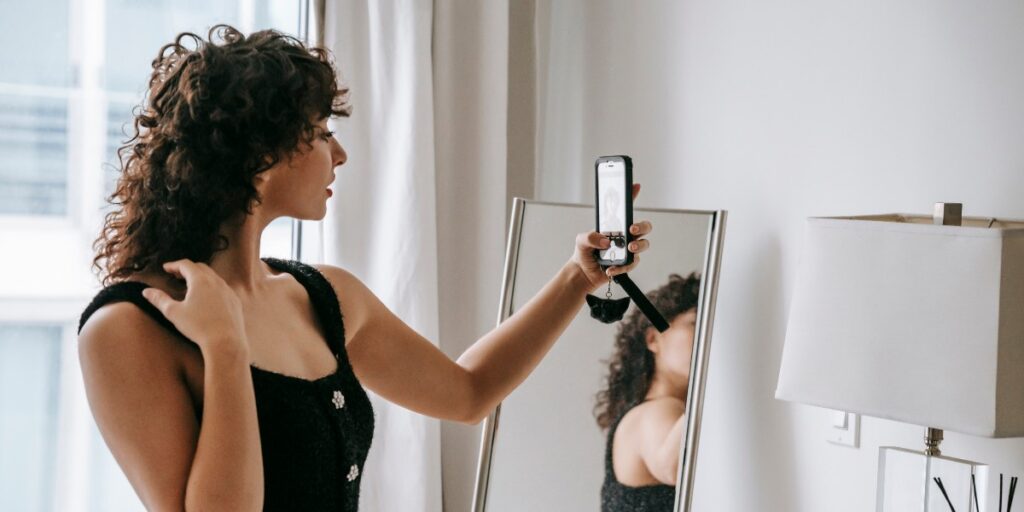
127, 291
321, 292
610, 443
324, 299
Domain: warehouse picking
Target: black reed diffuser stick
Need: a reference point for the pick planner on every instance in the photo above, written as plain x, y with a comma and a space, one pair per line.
1000, 492
974, 490
1013, 488
943, 489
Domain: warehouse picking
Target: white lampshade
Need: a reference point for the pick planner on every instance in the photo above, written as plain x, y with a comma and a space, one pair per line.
897, 318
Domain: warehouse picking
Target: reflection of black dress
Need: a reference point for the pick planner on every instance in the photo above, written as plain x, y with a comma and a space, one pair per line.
616, 497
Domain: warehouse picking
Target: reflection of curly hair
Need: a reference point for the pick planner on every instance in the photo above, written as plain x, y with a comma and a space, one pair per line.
215, 116
631, 368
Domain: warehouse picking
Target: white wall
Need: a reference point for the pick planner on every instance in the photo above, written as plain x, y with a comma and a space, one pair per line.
777, 111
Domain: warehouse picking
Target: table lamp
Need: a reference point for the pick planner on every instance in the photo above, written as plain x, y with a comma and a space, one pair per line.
918, 319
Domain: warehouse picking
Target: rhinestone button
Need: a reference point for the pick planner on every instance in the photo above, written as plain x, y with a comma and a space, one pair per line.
353, 473
339, 400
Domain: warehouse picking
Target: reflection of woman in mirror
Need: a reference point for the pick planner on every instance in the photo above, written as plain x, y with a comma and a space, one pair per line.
611, 220
642, 408
221, 380
611, 223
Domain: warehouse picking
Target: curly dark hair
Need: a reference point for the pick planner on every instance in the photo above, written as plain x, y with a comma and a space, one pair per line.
216, 113
631, 367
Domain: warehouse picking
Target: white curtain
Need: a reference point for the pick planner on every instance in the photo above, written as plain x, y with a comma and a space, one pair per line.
381, 222
423, 199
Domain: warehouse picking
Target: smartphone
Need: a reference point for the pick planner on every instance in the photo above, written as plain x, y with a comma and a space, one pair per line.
613, 186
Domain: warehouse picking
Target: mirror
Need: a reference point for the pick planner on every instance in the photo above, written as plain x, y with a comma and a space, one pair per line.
543, 448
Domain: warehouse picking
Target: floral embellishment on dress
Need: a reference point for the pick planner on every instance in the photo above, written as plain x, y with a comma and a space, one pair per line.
353, 472
339, 400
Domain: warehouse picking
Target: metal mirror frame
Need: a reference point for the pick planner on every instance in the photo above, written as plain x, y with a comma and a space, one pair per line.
698, 361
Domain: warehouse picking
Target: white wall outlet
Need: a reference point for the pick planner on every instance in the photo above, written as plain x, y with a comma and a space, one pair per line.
845, 429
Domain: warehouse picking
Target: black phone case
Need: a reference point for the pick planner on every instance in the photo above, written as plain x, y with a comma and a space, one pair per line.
629, 209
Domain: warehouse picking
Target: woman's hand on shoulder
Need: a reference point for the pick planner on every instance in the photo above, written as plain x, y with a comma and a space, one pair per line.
210, 314
585, 259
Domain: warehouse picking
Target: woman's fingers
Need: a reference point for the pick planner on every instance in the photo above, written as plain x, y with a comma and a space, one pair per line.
614, 271
631, 266
586, 243
592, 239
636, 190
159, 299
183, 269
637, 246
640, 228
187, 269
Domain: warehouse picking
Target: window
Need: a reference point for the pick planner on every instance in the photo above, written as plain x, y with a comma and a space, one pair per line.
70, 74
34, 95
29, 385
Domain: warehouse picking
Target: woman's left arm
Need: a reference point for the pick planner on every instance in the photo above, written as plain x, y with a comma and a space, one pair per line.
399, 364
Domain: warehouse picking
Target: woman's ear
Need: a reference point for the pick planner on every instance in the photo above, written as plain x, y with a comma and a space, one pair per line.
651, 339
260, 180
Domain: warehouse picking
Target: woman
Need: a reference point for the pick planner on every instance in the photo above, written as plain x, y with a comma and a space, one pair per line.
643, 405
223, 381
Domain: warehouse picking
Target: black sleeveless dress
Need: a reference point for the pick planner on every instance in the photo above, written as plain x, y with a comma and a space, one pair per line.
315, 434
616, 497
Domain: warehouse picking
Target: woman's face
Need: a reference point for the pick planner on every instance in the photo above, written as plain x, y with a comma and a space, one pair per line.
674, 347
299, 187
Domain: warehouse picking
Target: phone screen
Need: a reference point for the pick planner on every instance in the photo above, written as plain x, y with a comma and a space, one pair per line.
611, 196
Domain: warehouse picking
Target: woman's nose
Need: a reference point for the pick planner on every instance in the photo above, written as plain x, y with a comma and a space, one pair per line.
338, 152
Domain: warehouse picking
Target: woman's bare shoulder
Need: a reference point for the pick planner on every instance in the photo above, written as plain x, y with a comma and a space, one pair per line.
657, 410
661, 404
354, 297
122, 333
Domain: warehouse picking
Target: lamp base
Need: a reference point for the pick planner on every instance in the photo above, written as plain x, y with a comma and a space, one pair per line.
906, 482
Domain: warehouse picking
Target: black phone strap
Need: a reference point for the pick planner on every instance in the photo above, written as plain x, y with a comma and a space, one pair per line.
641, 301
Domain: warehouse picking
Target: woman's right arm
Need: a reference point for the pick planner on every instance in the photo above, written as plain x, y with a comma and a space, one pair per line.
146, 414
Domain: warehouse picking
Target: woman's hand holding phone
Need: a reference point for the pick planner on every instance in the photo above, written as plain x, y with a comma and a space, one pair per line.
588, 243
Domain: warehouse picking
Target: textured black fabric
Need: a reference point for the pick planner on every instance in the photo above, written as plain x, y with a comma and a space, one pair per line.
616, 497
315, 434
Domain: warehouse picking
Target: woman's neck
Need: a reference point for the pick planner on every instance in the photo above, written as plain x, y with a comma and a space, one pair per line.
663, 384
239, 265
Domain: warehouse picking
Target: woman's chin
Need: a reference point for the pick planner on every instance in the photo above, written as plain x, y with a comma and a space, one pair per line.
313, 216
